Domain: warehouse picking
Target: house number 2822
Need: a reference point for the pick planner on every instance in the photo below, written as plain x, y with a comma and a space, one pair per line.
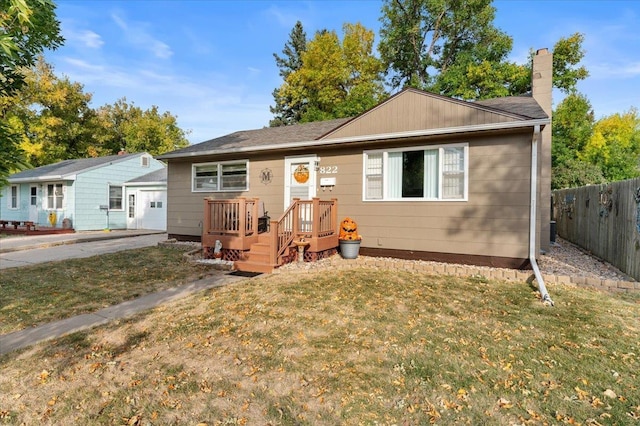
328, 170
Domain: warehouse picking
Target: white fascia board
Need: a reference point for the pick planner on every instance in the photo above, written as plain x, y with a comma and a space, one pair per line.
145, 183
39, 179
382, 136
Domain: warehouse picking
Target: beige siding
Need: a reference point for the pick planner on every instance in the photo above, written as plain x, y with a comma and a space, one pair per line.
416, 111
493, 222
185, 208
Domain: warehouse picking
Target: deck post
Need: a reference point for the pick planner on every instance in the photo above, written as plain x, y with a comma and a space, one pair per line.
242, 217
254, 217
274, 230
295, 223
206, 221
315, 221
334, 217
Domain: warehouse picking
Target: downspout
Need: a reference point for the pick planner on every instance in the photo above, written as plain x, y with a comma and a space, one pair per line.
546, 299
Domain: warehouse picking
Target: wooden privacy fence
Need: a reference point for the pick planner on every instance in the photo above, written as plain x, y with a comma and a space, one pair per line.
603, 219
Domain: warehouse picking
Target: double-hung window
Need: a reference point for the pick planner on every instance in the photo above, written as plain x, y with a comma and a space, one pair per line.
428, 173
14, 199
115, 197
55, 196
223, 176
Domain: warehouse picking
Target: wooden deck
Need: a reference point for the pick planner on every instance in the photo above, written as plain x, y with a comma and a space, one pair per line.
240, 227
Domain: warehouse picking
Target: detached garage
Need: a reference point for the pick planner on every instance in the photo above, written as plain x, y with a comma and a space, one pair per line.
147, 201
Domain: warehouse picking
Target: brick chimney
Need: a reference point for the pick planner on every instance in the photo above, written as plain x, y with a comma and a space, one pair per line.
542, 89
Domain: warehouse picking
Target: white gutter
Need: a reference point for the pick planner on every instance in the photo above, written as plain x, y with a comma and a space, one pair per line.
382, 136
546, 299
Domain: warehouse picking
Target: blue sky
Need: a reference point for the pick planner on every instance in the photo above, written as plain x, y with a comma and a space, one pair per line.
210, 62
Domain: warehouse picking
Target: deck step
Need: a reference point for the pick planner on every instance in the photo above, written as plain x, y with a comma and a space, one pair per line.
250, 266
258, 259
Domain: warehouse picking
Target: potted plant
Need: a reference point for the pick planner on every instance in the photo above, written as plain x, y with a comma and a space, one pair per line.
349, 239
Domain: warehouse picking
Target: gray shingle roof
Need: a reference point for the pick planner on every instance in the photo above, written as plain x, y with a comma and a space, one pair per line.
159, 175
67, 167
265, 136
521, 105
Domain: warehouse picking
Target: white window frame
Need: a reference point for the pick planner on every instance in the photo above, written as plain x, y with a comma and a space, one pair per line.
385, 173
122, 199
54, 198
13, 202
145, 161
217, 185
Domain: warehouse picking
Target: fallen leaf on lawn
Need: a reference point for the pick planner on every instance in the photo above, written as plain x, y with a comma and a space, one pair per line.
504, 403
610, 394
582, 394
44, 375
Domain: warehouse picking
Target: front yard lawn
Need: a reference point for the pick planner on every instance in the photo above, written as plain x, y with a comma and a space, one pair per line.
343, 348
36, 294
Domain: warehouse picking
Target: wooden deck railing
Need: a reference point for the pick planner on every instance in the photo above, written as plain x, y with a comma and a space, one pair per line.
235, 223
309, 219
230, 221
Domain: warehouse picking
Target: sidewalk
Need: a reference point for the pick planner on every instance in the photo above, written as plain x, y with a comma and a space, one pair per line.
27, 337
17, 243
30, 336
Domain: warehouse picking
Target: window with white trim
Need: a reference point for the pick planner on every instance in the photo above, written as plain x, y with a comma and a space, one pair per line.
427, 173
115, 197
55, 196
14, 197
223, 176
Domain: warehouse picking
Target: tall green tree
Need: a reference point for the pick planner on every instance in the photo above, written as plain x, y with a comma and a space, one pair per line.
28, 27
52, 117
451, 47
124, 126
434, 44
337, 78
286, 111
572, 127
614, 146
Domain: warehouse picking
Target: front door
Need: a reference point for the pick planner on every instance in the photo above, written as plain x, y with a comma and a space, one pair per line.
33, 204
132, 218
299, 179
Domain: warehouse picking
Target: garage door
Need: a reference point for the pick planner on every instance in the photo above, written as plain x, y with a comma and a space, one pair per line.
151, 210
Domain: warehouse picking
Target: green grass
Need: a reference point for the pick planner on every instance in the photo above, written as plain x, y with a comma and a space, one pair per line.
37, 294
336, 348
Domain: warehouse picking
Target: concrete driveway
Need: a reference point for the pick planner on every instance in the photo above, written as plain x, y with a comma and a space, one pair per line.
24, 251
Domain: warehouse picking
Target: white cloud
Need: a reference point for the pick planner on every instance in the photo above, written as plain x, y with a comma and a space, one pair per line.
140, 38
86, 38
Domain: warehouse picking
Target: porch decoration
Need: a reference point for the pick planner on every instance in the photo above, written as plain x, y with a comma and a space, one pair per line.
301, 173
53, 218
349, 239
301, 244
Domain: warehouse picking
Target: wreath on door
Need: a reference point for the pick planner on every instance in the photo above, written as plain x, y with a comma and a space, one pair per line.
301, 173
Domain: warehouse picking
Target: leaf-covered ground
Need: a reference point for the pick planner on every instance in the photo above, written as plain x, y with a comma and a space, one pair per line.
346, 347
37, 294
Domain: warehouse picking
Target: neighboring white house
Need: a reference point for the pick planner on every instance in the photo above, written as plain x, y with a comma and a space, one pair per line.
91, 193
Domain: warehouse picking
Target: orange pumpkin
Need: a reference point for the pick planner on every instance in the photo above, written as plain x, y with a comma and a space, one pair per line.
349, 230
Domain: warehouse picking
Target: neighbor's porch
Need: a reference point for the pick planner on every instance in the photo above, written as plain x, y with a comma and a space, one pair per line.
255, 242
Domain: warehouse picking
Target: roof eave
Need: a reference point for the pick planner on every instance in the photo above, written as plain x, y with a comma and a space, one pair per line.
382, 136
40, 179
159, 183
